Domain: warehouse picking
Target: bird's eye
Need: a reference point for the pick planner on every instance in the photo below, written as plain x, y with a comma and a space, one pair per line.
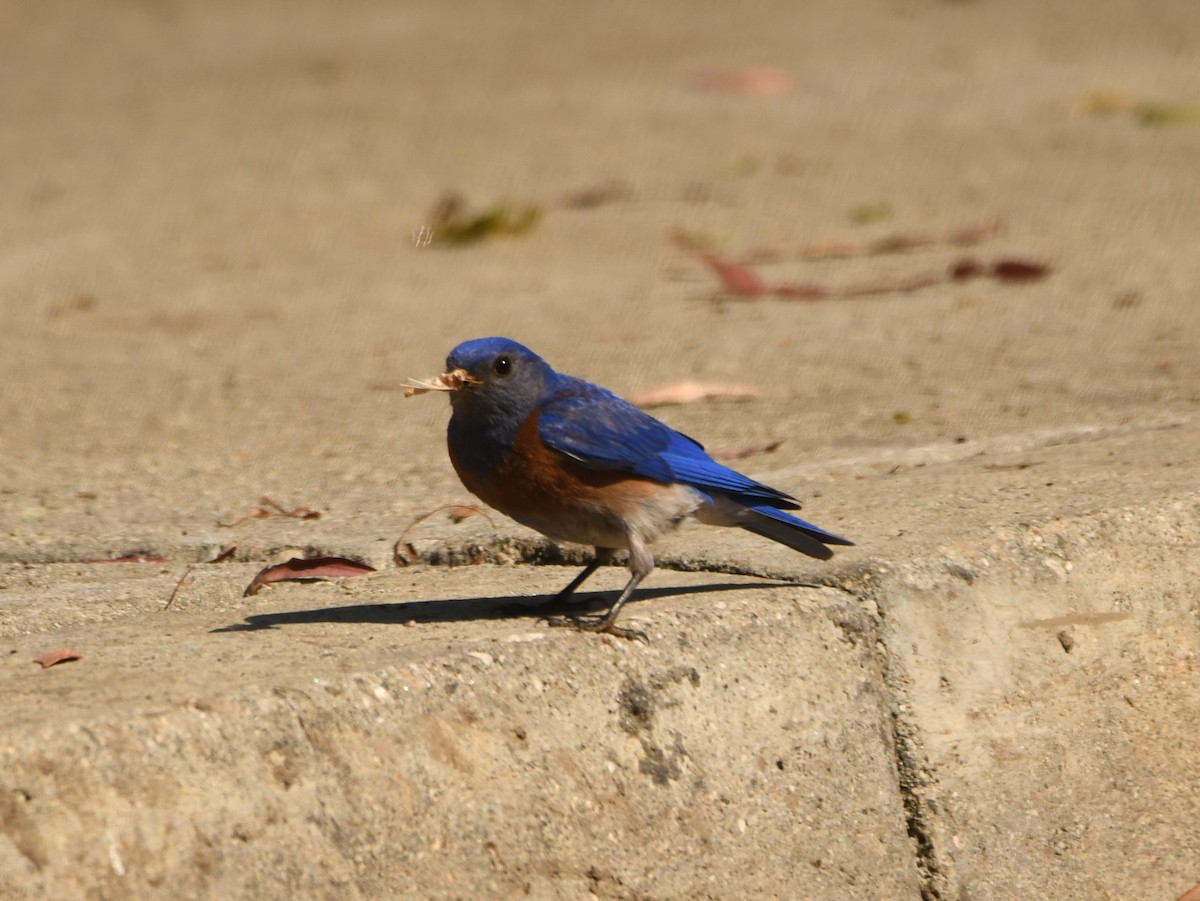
502, 366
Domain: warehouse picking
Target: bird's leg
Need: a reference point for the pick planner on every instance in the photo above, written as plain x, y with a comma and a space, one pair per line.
607, 623
603, 556
641, 564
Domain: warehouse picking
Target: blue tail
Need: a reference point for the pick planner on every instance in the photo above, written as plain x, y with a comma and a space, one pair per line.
787, 529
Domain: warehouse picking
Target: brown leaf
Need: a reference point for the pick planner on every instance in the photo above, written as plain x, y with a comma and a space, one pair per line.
746, 81
687, 392
303, 569
1012, 270
225, 554
47, 659
965, 269
459, 512
1192, 894
268, 509
405, 554
175, 591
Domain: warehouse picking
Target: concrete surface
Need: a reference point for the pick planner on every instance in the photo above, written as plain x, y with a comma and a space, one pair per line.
211, 291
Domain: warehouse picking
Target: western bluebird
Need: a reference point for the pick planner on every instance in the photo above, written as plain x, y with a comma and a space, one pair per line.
577, 463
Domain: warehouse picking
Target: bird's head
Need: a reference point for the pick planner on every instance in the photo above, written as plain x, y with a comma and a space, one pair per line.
492, 378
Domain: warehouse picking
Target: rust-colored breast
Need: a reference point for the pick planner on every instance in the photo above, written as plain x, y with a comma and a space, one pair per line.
533, 483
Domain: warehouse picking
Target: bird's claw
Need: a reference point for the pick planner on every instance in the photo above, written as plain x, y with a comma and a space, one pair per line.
601, 625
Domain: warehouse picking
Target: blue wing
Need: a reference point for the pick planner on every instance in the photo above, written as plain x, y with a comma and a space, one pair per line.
603, 431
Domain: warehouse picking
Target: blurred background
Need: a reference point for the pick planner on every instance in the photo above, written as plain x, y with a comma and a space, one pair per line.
228, 231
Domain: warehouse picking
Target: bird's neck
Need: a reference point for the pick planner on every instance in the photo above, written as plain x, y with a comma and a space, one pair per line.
481, 440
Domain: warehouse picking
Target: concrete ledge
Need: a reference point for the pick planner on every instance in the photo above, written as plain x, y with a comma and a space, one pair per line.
1047, 687
747, 750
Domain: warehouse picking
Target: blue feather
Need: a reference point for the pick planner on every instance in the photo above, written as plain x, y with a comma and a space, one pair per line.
603, 431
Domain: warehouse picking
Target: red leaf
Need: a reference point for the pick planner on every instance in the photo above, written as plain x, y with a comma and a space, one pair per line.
1020, 271
47, 659
303, 569
739, 280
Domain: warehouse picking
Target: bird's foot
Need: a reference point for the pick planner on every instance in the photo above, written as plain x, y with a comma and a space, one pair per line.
556, 604
602, 625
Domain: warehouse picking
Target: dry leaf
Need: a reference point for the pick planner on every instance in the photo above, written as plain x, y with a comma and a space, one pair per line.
1019, 271
447, 381
459, 512
47, 659
965, 269
747, 81
268, 509
303, 569
687, 392
739, 280
870, 213
736, 279
405, 554
175, 591
451, 222
1168, 113
1192, 894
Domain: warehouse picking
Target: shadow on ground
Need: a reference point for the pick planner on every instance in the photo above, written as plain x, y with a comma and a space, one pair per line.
469, 609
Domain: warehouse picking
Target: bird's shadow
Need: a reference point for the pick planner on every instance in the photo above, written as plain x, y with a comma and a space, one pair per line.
471, 609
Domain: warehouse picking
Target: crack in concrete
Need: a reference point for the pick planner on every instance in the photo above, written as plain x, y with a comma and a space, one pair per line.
907, 747
912, 776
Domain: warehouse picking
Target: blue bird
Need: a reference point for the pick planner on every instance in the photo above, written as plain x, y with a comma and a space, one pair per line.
578, 463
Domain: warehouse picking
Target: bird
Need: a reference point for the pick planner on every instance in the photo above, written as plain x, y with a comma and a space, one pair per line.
580, 464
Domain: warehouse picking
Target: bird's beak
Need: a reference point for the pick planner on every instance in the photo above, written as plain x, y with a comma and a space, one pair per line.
454, 380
